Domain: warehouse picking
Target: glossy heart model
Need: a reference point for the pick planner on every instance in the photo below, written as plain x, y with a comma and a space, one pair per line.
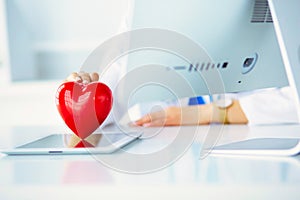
83, 107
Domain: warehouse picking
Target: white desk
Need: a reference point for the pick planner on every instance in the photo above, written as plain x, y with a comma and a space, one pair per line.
83, 177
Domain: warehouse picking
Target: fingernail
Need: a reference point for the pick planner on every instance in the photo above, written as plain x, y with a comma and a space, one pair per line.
77, 79
146, 124
131, 124
85, 82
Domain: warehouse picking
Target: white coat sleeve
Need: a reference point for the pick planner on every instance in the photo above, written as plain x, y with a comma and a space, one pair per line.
271, 106
118, 69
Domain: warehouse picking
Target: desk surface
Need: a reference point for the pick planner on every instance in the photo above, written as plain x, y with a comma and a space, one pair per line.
214, 177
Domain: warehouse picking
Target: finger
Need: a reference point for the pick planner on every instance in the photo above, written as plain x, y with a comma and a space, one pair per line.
145, 119
151, 117
94, 76
74, 77
85, 77
156, 123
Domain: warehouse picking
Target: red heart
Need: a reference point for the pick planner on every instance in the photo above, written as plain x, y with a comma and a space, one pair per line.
83, 107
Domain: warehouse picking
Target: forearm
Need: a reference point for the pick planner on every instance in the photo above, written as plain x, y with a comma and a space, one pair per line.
194, 115
209, 113
235, 114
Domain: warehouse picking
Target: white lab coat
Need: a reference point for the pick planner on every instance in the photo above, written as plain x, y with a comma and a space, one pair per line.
269, 106
118, 69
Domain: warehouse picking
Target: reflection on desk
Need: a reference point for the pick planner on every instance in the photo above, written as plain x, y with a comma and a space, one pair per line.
189, 177
189, 169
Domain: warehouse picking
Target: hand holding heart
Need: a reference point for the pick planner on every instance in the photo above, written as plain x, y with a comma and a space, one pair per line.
83, 105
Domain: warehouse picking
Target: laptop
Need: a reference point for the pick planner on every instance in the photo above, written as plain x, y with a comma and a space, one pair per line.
286, 19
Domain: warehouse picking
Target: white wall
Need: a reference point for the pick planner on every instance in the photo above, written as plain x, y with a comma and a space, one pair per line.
4, 61
51, 38
29, 104
47, 39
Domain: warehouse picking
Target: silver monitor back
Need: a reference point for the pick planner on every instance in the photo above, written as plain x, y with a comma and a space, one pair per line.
287, 25
230, 31
286, 18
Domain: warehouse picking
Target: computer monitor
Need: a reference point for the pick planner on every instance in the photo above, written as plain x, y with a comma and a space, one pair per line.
238, 36
286, 18
233, 33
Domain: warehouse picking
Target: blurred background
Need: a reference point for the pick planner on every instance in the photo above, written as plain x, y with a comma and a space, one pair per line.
41, 43
49, 39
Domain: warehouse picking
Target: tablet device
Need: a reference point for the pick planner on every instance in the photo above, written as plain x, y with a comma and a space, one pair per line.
96, 143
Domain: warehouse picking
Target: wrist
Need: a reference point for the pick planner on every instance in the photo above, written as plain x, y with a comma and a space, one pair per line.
220, 111
205, 114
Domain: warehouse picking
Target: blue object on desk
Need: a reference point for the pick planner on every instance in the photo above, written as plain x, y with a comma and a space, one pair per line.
196, 101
